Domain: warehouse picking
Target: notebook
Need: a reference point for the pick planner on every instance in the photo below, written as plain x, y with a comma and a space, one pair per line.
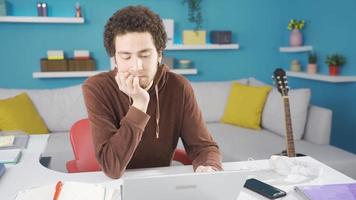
70, 191
2, 169
19, 139
346, 191
198, 186
10, 156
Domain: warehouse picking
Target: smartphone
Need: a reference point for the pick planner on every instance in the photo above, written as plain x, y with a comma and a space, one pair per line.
264, 189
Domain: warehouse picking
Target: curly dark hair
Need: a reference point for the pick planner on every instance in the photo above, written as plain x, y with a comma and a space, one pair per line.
134, 19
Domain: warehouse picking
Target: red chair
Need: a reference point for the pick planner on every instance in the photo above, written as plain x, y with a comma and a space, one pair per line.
83, 149
85, 160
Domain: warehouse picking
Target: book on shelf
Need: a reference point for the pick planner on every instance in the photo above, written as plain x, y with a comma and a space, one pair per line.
69, 191
345, 191
10, 156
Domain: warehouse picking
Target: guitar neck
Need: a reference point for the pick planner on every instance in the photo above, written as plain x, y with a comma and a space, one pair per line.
289, 129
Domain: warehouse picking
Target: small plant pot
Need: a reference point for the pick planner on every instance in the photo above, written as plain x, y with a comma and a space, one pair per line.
312, 68
295, 66
334, 70
296, 38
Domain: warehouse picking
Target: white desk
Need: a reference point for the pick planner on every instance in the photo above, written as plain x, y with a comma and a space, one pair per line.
30, 173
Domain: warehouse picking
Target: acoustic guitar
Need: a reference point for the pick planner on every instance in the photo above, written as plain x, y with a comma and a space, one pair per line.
281, 82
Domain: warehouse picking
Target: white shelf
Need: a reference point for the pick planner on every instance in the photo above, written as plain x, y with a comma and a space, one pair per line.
295, 49
322, 77
76, 74
191, 71
20, 19
79, 74
202, 47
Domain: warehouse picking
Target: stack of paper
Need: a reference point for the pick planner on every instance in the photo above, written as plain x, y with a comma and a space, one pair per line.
68, 191
10, 156
13, 140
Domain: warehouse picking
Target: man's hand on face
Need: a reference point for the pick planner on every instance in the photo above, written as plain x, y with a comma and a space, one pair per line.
202, 168
129, 84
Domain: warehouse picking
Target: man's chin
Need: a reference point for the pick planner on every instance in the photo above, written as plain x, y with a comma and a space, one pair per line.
144, 83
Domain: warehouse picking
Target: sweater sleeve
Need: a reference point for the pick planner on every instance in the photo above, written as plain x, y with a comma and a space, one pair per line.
114, 146
198, 142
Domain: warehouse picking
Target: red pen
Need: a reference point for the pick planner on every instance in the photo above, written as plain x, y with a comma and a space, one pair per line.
58, 190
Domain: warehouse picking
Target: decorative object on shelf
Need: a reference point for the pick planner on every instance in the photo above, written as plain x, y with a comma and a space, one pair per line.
169, 27
78, 10
185, 64
194, 12
312, 60
335, 61
296, 37
81, 64
194, 37
81, 61
55, 61
55, 55
169, 61
221, 37
44, 9
295, 66
39, 9
81, 54
53, 65
3, 8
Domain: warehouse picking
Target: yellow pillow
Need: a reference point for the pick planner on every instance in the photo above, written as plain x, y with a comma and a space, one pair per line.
245, 104
19, 113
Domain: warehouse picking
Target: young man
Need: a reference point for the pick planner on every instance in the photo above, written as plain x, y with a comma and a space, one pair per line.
139, 110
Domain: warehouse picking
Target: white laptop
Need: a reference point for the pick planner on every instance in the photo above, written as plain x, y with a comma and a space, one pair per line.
224, 185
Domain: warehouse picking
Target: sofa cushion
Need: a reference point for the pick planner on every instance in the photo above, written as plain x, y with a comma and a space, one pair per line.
273, 115
273, 112
19, 113
245, 105
59, 108
212, 96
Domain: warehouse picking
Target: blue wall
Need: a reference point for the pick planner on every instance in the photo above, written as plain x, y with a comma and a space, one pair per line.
259, 27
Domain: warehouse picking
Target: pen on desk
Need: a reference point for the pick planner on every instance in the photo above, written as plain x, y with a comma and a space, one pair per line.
58, 190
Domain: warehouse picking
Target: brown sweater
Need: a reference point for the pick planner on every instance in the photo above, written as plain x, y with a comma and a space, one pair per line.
125, 137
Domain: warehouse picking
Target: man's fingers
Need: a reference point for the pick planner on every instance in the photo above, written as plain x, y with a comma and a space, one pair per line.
136, 84
204, 169
129, 83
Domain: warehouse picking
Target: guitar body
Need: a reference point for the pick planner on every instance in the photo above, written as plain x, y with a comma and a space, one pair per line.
281, 83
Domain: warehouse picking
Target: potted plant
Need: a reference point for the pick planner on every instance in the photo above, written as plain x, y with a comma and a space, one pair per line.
196, 36
296, 37
312, 60
335, 61
194, 12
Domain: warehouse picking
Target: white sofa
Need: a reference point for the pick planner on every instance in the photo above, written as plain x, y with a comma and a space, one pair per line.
60, 108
